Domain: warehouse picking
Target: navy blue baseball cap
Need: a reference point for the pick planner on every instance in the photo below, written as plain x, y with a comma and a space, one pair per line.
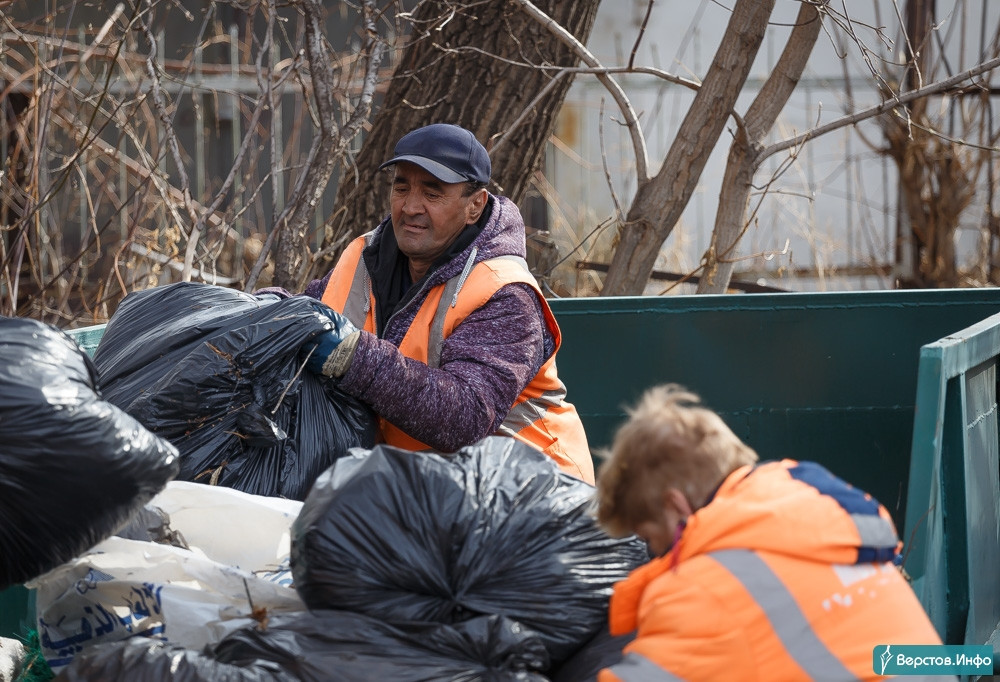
448, 152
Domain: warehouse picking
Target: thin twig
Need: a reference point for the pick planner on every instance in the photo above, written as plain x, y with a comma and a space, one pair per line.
168, 129
294, 378
619, 214
642, 31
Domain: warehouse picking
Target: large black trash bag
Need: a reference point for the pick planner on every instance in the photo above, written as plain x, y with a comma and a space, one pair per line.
206, 366
494, 529
603, 651
141, 659
329, 646
73, 467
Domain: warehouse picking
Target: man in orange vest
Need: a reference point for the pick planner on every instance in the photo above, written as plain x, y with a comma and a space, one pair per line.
437, 323
772, 571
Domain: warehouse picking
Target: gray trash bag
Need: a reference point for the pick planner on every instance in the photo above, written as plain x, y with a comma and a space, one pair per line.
73, 467
494, 529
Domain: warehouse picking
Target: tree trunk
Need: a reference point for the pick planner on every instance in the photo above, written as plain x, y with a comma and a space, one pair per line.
482, 86
730, 219
936, 182
659, 203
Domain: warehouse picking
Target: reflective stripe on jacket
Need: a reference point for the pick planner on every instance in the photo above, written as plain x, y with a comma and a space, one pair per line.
781, 576
540, 416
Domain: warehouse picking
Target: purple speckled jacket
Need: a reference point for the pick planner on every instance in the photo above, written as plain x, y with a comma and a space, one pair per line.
485, 363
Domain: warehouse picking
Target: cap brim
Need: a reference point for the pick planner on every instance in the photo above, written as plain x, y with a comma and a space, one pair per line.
438, 170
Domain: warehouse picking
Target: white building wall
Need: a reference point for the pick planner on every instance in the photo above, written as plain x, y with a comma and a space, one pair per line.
833, 207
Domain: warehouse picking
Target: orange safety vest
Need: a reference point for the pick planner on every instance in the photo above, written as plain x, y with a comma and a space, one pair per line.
735, 613
540, 416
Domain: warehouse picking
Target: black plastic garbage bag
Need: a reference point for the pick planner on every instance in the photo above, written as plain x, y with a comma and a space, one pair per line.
330, 646
349, 647
603, 651
217, 373
494, 529
72, 466
140, 659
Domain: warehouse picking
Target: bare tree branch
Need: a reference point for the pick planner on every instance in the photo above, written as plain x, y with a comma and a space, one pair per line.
889, 105
329, 146
631, 120
743, 161
659, 203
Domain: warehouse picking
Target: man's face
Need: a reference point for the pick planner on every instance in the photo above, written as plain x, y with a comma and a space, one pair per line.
428, 215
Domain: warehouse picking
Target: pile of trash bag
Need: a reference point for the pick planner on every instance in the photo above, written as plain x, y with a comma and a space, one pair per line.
325, 646
494, 529
482, 565
73, 466
217, 373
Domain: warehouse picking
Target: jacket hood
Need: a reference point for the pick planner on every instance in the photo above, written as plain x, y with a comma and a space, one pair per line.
797, 509
503, 234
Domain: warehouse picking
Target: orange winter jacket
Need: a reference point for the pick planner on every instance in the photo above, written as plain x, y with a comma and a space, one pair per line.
785, 574
540, 416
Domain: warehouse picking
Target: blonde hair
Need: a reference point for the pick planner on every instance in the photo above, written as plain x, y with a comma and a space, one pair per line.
669, 441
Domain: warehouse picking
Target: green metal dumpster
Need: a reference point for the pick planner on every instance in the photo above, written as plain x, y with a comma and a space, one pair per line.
829, 377
88, 337
824, 376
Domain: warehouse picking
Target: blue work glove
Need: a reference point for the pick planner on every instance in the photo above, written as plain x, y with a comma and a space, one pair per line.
330, 353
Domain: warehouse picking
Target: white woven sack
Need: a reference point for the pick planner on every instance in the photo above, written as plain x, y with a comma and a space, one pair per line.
234, 574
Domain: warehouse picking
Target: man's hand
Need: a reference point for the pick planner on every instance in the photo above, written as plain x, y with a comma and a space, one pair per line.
330, 353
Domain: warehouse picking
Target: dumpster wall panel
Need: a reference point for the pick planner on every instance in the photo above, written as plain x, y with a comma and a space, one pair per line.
824, 376
88, 337
16, 611
953, 517
982, 490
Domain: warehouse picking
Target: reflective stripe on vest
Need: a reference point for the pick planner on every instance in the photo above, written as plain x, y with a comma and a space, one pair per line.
449, 299
358, 302
526, 413
874, 531
786, 618
637, 668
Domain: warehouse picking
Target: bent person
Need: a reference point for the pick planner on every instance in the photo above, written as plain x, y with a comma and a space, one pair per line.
763, 571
